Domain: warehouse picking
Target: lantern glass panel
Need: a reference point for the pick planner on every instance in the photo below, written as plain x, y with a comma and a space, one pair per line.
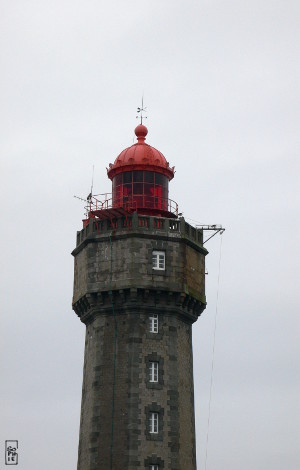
149, 176
127, 177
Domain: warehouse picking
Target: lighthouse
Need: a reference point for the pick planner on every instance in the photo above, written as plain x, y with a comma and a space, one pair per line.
139, 285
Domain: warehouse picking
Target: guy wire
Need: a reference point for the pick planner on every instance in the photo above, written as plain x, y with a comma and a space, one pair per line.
213, 355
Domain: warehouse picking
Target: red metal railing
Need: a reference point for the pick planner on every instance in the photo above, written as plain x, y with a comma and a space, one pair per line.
131, 203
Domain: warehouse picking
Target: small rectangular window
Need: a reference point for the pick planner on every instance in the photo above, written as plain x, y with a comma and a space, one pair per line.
153, 423
153, 467
153, 323
153, 371
158, 260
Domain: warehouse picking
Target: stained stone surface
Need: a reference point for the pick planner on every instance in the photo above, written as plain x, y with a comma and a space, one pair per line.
115, 292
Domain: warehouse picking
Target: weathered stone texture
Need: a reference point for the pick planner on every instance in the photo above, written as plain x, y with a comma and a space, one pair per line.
131, 261
115, 291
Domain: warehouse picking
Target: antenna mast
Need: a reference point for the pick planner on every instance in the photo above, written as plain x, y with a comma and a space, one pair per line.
92, 185
141, 110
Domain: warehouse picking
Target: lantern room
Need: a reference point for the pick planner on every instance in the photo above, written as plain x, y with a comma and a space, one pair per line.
140, 179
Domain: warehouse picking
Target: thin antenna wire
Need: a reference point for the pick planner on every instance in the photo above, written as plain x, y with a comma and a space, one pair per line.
195, 221
92, 185
213, 356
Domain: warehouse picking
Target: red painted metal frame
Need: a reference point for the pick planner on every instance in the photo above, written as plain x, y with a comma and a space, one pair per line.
105, 208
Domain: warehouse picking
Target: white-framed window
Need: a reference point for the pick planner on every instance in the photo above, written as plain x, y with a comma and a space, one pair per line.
158, 260
153, 467
153, 371
153, 428
153, 323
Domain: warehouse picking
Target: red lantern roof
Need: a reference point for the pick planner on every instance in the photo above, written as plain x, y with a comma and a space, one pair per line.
140, 156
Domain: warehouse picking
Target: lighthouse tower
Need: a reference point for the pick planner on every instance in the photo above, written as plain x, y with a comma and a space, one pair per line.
138, 288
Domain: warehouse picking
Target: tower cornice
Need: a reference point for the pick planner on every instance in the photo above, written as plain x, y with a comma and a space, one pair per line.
92, 304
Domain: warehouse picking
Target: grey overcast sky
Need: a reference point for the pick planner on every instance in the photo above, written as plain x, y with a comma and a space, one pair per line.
221, 83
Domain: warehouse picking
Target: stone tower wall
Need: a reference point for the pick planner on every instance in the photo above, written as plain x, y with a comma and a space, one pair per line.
114, 284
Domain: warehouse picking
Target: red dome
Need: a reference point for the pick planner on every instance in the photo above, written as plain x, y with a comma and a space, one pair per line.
140, 156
